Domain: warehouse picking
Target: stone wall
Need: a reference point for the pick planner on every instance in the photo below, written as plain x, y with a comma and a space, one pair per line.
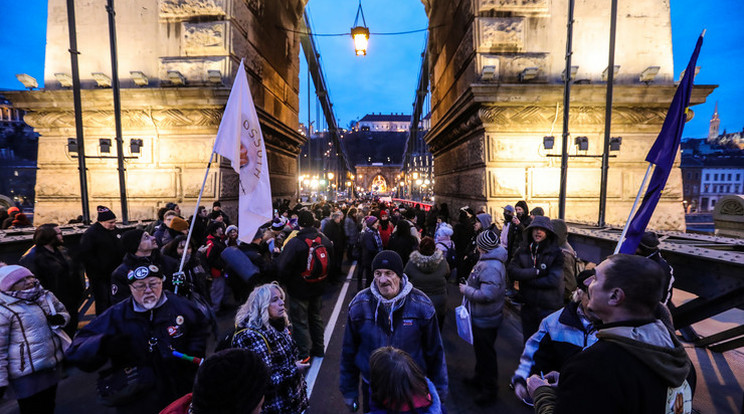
177, 123
488, 126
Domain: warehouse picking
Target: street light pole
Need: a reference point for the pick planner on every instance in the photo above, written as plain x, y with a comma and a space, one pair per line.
117, 110
566, 104
608, 117
78, 109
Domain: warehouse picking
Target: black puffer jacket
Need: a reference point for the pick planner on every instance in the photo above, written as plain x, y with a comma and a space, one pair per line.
539, 268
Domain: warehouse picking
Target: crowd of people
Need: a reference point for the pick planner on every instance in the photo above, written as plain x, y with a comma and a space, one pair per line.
159, 290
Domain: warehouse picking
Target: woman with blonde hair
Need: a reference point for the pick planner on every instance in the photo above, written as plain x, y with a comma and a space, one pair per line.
262, 327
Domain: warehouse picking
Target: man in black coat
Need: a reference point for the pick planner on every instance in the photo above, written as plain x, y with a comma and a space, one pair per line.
637, 365
100, 252
334, 230
56, 271
140, 249
305, 298
145, 331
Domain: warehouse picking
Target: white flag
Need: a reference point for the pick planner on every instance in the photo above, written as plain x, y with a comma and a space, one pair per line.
240, 140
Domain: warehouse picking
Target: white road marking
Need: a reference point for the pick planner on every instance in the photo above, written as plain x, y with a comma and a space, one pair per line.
312, 373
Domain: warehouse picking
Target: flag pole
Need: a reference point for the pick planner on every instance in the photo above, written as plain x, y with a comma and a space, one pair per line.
632, 209
193, 220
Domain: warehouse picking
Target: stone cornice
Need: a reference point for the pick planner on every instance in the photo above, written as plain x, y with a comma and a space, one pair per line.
166, 108
583, 95
532, 108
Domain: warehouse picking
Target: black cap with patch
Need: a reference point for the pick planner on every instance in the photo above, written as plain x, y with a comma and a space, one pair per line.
142, 272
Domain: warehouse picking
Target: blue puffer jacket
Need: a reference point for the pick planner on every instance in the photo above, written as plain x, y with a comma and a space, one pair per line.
486, 287
412, 328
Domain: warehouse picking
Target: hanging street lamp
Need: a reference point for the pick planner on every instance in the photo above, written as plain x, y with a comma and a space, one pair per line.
360, 34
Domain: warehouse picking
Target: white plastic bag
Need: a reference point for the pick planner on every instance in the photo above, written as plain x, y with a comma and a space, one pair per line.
464, 328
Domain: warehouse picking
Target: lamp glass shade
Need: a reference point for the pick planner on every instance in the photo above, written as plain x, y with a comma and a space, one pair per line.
360, 35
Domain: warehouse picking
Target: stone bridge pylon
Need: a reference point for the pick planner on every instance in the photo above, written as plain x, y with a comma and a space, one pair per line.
488, 119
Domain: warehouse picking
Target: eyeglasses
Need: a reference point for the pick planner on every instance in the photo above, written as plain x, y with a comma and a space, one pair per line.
140, 287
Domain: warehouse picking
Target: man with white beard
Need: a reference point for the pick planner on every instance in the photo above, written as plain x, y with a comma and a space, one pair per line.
150, 334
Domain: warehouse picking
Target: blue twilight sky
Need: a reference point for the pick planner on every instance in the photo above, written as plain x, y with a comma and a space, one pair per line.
385, 80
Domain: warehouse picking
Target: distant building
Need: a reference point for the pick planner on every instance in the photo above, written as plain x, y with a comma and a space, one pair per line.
385, 123
18, 153
708, 178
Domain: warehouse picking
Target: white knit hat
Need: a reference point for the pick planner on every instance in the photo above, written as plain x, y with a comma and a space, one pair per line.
11, 274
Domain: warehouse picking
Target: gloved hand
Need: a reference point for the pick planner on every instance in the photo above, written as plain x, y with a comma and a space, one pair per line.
55, 320
115, 345
352, 404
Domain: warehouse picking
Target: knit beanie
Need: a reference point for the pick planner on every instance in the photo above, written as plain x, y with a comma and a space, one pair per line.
230, 381
388, 259
278, 223
231, 228
179, 224
12, 274
649, 240
130, 240
370, 221
104, 214
305, 218
487, 240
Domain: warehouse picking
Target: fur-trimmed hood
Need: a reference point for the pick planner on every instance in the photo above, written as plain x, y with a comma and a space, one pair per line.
427, 264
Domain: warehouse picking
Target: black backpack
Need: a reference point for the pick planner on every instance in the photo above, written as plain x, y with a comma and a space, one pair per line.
450, 255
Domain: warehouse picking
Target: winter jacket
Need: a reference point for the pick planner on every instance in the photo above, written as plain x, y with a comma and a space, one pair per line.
385, 233
293, 261
371, 245
151, 337
429, 274
562, 334
180, 406
100, 251
57, 273
404, 245
539, 269
215, 246
635, 367
27, 343
119, 282
352, 231
287, 392
335, 233
410, 326
435, 407
164, 234
485, 288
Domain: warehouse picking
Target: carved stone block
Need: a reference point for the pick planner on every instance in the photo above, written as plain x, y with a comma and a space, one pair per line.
194, 69
208, 38
518, 7
506, 182
500, 34
175, 9
192, 180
